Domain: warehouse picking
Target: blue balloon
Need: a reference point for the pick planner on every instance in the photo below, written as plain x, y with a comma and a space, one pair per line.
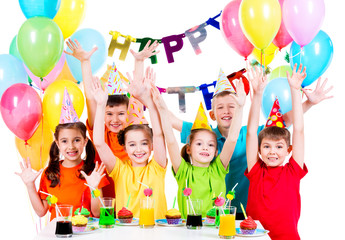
280, 88
88, 38
315, 56
44, 8
11, 71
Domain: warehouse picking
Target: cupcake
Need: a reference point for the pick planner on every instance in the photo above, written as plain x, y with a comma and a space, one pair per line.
125, 215
83, 212
211, 215
248, 226
173, 216
79, 223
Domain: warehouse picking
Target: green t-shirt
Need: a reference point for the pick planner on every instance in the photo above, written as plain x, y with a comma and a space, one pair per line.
205, 182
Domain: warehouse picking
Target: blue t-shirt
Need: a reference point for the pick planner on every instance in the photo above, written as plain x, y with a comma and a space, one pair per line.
237, 166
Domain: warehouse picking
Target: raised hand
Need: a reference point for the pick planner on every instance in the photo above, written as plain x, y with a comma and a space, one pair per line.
257, 78
78, 52
157, 98
297, 77
100, 94
147, 52
319, 93
95, 177
240, 97
27, 175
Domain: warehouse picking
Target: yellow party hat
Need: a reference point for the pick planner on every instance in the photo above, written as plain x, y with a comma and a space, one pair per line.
201, 120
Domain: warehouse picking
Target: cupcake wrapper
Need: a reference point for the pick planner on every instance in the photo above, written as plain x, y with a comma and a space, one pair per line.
76, 229
173, 220
125, 220
210, 220
248, 231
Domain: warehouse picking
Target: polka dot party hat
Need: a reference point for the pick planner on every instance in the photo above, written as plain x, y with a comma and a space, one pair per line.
201, 119
276, 117
135, 112
115, 85
223, 84
68, 114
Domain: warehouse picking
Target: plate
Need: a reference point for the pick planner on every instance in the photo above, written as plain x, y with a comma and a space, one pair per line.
258, 232
205, 222
163, 222
92, 225
135, 222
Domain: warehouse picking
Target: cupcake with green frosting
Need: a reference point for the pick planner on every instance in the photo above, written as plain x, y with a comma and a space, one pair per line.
211, 215
83, 212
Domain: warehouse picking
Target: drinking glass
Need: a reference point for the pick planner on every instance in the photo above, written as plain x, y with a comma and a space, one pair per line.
63, 221
107, 215
194, 214
147, 218
227, 218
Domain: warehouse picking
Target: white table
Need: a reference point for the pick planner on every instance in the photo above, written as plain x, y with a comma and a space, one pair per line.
135, 232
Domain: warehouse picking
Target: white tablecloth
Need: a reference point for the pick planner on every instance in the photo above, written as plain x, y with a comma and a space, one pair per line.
135, 232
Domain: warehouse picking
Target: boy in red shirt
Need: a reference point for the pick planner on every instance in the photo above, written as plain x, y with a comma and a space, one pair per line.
273, 196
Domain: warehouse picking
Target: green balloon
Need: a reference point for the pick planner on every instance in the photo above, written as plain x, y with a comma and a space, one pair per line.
40, 44
14, 49
280, 72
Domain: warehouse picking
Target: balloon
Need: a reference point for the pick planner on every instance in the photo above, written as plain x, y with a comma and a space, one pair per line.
315, 56
69, 16
21, 110
37, 147
280, 72
283, 37
260, 21
88, 38
278, 87
40, 44
11, 71
232, 32
268, 55
51, 77
66, 74
303, 19
14, 49
43, 8
52, 101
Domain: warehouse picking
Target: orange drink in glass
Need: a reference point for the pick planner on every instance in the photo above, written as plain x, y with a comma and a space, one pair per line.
227, 227
147, 218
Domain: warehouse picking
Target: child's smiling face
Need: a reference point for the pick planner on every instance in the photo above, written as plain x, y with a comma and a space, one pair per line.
115, 117
273, 152
223, 108
202, 149
138, 146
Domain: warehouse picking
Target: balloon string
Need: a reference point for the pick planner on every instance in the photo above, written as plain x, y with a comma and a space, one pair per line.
291, 57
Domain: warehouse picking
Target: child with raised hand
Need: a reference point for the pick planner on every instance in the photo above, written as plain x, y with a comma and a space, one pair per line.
194, 167
139, 140
65, 178
274, 197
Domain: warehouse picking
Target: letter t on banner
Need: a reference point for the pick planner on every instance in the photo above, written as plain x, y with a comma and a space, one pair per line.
196, 40
181, 95
124, 47
170, 49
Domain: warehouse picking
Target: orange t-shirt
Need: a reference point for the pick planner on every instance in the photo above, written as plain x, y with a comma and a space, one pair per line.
71, 189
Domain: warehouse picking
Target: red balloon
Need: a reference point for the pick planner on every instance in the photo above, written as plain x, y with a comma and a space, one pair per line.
21, 110
283, 38
232, 32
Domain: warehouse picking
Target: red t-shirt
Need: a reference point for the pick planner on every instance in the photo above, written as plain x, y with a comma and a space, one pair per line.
71, 189
274, 199
111, 140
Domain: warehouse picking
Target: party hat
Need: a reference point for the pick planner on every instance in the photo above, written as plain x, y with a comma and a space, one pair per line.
201, 119
115, 85
223, 84
276, 117
68, 114
135, 112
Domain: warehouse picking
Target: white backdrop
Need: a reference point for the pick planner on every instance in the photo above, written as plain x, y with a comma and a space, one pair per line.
321, 189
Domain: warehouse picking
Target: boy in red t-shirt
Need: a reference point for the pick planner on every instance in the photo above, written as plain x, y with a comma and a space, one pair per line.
274, 197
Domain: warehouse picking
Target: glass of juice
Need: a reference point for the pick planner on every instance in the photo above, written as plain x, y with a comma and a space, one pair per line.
107, 215
63, 221
227, 227
147, 218
194, 214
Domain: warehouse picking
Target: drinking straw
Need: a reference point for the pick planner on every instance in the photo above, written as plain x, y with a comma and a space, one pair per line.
98, 197
234, 187
129, 198
143, 184
46, 193
174, 202
82, 202
58, 209
228, 200
244, 212
147, 200
190, 201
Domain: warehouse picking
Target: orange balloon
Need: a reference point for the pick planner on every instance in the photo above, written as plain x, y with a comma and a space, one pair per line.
66, 74
37, 149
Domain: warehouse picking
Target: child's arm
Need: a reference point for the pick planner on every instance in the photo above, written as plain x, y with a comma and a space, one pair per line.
93, 180
234, 130
258, 82
295, 82
28, 177
84, 57
104, 151
173, 148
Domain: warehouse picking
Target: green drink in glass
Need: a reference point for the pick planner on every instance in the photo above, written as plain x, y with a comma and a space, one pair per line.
107, 217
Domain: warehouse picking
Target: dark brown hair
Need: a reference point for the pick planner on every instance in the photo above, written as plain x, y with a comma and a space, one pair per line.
191, 137
116, 100
121, 136
274, 133
53, 170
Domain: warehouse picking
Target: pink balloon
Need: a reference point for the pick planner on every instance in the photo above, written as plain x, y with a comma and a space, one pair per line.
303, 19
232, 32
52, 75
283, 37
21, 110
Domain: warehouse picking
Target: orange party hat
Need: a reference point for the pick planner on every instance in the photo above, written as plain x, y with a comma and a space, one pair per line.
68, 114
201, 119
276, 117
135, 112
223, 84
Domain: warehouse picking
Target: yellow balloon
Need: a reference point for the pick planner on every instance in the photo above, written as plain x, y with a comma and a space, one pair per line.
37, 149
267, 55
52, 101
260, 21
69, 16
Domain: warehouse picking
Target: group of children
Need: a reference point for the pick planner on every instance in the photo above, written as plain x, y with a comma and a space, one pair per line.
211, 162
